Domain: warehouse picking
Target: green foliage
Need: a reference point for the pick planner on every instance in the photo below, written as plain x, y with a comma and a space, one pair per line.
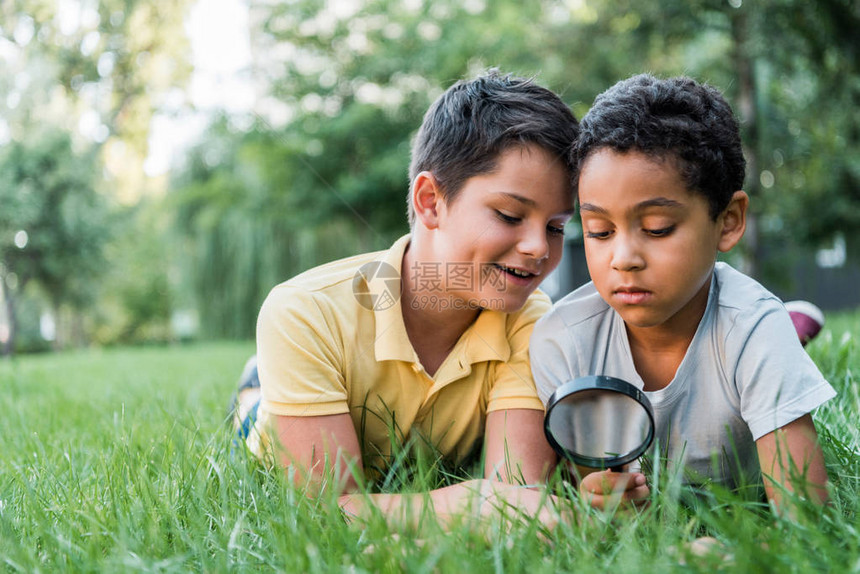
80, 82
355, 82
320, 170
112, 57
252, 210
120, 460
135, 296
61, 212
50, 189
29, 306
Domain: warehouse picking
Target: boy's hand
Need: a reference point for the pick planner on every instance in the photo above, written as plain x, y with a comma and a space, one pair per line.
607, 489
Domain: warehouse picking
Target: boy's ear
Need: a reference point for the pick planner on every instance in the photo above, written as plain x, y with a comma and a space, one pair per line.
427, 199
733, 221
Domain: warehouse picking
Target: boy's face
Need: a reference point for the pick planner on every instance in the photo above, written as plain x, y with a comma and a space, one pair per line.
650, 243
505, 229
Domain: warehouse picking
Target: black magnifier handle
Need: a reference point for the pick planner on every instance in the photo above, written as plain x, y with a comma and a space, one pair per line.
619, 468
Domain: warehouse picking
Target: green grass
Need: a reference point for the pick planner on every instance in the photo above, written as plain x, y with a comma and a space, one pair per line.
119, 461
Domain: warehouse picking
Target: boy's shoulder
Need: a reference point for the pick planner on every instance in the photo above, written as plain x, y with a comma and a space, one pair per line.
740, 293
331, 273
536, 307
335, 286
581, 306
746, 316
343, 271
315, 297
575, 323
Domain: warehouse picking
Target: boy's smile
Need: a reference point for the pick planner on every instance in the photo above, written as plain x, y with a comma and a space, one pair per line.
650, 243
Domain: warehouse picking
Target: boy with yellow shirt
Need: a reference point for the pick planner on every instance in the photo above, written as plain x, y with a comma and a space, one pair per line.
427, 343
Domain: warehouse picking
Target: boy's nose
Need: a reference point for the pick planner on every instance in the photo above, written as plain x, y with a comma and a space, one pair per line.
626, 255
534, 244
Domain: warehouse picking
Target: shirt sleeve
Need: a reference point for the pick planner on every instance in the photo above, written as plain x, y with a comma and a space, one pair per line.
299, 356
776, 379
514, 386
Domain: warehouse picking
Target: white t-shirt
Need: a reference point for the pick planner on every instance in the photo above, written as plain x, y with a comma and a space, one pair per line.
744, 375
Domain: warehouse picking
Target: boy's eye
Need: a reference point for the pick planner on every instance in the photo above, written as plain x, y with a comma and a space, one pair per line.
662, 232
508, 218
555, 230
597, 234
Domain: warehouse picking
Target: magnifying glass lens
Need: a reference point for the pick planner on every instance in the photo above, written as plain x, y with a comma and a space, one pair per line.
599, 421
600, 424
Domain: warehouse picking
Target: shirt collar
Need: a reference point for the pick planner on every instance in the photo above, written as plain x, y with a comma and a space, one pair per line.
392, 342
487, 338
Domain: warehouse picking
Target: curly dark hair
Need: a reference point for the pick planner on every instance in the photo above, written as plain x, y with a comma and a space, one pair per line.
677, 119
474, 121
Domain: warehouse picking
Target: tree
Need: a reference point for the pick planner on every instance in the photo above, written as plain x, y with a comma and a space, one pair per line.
95, 72
55, 229
99, 70
351, 81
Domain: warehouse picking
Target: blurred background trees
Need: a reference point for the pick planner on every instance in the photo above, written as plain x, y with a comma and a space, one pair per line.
80, 82
62, 224
316, 167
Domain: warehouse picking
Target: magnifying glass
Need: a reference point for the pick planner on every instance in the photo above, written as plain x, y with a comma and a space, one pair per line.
599, 422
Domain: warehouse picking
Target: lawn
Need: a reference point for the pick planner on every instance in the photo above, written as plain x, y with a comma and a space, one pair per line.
119, 461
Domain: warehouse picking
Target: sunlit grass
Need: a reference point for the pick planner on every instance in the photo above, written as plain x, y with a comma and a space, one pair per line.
119, 460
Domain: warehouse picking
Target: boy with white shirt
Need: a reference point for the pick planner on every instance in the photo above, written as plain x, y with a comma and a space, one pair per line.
660, 174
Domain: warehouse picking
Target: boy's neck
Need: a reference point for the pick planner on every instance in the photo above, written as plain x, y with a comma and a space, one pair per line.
659, 350
433, 329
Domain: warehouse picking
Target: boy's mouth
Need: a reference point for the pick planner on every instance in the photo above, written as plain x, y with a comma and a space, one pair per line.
520, 273
631, 295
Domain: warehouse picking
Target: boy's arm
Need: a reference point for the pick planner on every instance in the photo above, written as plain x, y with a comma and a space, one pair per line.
318, 451
322, 452
473, 500
791, 459
517, 453
516, 450
779, 386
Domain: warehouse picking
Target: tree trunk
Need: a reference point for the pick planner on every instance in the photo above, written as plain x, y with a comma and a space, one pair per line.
78, 330
747, 109
59, 336
9, 298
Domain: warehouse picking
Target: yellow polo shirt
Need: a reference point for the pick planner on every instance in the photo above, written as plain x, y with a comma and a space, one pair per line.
323, 350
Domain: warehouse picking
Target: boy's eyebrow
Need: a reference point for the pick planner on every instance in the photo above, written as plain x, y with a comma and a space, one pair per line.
520, 198
527, 201
592, 208
656, 202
